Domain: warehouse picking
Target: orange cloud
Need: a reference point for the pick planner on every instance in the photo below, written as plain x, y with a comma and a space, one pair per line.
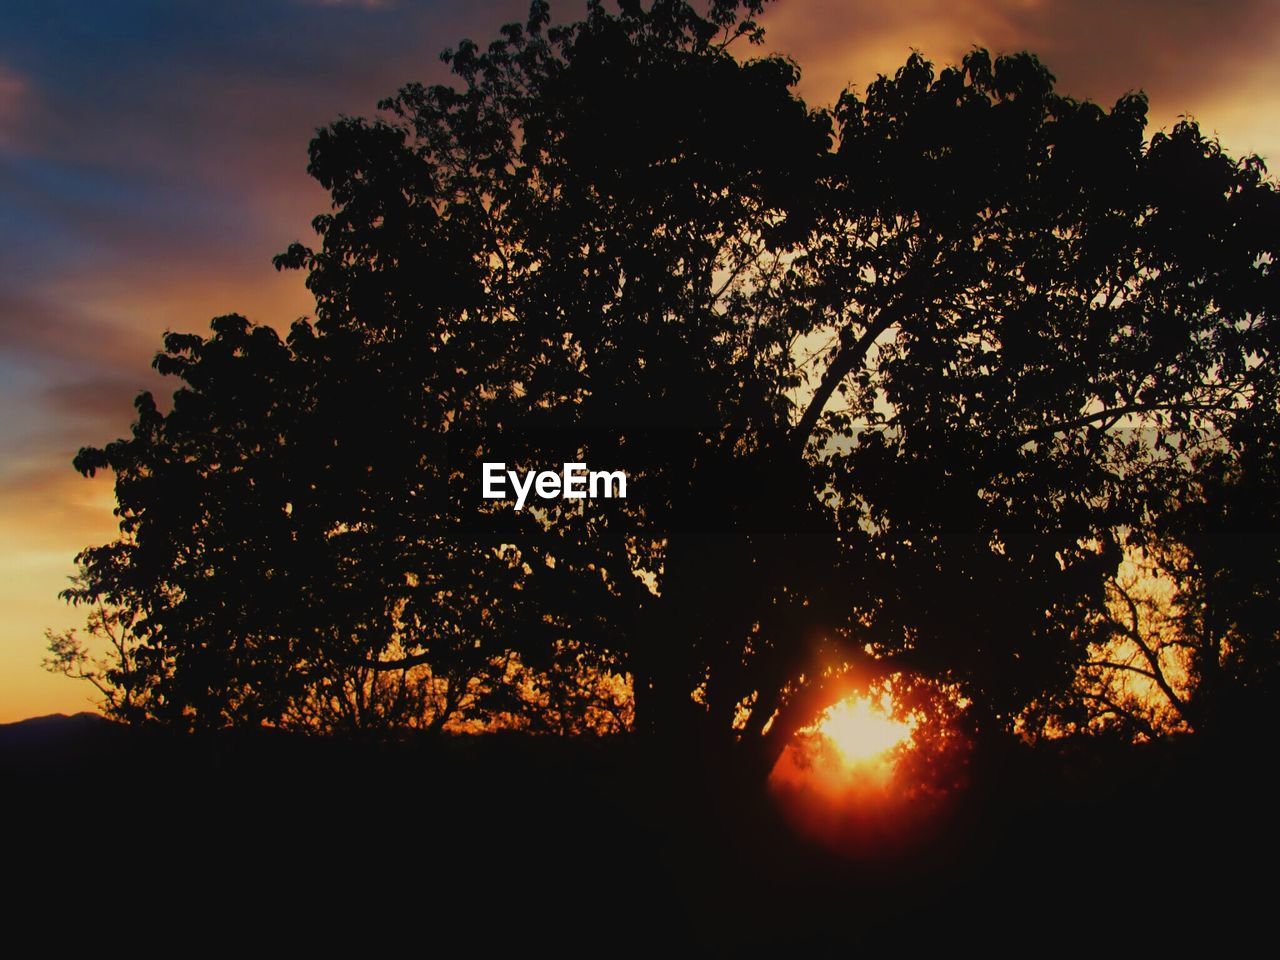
14, 98
1215, 61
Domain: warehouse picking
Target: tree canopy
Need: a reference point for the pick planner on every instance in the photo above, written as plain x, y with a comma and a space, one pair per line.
898, 386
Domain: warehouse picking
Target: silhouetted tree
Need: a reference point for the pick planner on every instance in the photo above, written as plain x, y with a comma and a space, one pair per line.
1189, 636
1222, 546
274, 565
1211, 643
894, 385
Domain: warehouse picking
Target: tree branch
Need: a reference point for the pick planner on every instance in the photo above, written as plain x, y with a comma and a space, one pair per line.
404, 663
1133, 632
848, 358
1111, 413
1124, 714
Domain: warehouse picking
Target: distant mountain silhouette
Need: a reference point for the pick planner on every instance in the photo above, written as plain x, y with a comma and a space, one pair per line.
59, 747
51, 729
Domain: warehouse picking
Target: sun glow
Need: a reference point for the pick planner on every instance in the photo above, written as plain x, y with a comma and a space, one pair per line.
873, 775
864, 732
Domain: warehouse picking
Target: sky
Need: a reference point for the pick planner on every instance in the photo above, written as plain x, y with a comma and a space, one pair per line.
153, 159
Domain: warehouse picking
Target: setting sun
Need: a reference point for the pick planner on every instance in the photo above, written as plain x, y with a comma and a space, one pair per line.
842, 781
862, 730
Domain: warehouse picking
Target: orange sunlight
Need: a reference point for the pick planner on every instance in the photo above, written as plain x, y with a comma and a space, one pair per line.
851, 781
853, 747
864, 732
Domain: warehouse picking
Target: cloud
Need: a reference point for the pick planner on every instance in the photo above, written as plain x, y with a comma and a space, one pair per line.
47, 331
96, 408
365, 4
49, 506
1191, 57
14, 99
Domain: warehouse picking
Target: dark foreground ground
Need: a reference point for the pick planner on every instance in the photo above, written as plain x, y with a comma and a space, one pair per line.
500, 845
